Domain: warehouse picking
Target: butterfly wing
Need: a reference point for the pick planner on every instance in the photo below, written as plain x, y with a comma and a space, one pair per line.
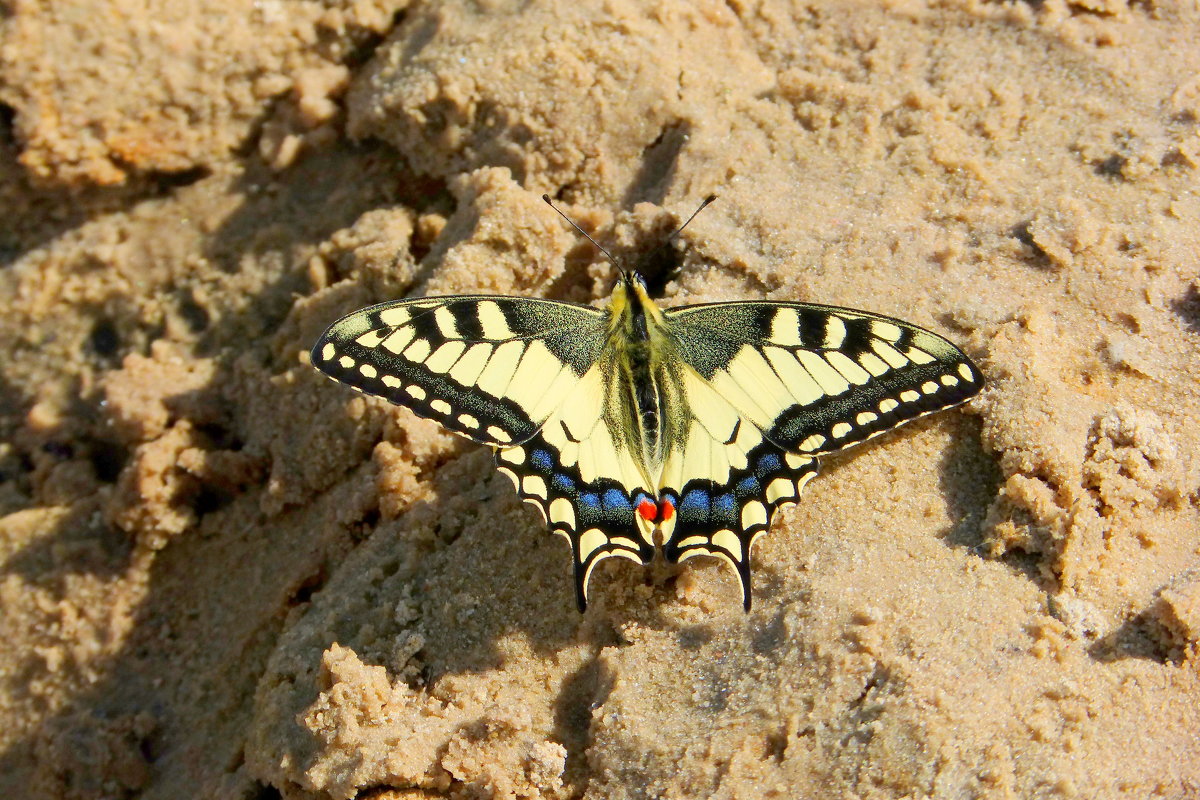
523, 375
492, 369
816, 379
579, 473
725, 479
770, 386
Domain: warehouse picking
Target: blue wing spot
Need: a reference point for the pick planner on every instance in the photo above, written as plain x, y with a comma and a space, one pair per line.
615, 500
694, 501
748, 486
769, 464
724, 504
590, 501
563, 483
542, 460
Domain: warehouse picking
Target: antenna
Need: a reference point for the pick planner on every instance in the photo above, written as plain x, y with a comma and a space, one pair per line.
546, 198
703, 205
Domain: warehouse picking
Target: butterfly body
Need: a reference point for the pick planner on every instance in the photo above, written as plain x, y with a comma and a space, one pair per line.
634, 428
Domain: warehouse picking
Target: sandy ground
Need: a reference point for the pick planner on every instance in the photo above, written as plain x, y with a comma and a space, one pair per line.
225, 577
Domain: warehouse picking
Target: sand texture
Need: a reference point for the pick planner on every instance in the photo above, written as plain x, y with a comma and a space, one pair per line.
224, 576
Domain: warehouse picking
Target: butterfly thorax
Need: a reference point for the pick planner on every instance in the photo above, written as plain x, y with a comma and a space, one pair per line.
640, 352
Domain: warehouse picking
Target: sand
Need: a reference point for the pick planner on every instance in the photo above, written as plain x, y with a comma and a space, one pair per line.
226, 577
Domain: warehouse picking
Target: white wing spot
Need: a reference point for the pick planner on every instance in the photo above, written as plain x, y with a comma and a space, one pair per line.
797, 379
753, 513
967, 373
949, 380
841, 430
591, 540
513, 455
418, 351
391, 381
835, 332
394, 316
845, 365
785, 328
909, 396
751, 369
498, 373
441, 406
399, 340
889, 354
885, 330
778, 489
499, 434
446, 323
534, 485
529, 384
367, 371
468, 421
929, 387
492, 321
887, 405
866, 418
415, 392
328, 351
828, 378
466, 370
444, 357
812, 443
729, 541
698, 551
563, 512
370, 338
919, 356
796, 461
873, 364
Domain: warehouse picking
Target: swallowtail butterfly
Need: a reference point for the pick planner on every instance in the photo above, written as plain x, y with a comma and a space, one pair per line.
634, 427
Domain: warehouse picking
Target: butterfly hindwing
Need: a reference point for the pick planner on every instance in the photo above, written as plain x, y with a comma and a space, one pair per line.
816, 379
579, 474
490, 368
725, 480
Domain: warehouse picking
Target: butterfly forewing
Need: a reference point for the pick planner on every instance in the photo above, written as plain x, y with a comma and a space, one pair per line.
816, 379
490, 368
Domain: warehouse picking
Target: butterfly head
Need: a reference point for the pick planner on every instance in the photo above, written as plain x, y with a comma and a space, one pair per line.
632, 281
631, 302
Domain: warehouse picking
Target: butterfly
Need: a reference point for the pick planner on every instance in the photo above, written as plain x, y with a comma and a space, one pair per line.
634, 428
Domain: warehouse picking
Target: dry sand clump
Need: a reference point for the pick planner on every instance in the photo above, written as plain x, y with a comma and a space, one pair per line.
225, 577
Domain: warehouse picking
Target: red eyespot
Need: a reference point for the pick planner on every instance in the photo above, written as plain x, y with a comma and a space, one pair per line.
648, 509
666, 509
